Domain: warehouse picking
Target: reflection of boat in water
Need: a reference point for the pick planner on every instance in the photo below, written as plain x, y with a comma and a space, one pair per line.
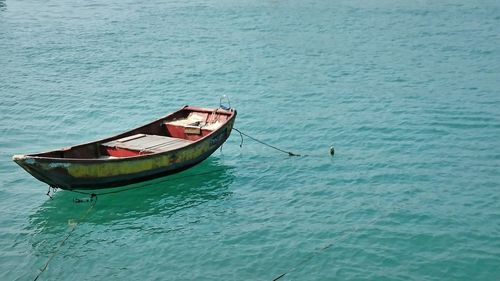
162, 197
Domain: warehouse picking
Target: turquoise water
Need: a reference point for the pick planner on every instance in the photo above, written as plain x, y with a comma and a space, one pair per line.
406, 91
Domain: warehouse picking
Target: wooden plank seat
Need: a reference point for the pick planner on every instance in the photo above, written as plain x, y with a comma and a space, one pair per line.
143, 144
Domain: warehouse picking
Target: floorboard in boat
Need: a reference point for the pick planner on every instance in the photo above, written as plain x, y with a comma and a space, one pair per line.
144, 142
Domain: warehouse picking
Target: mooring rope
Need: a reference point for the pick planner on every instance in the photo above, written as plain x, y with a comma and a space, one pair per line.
266, 144
93, 201
82, 218
94, 196
322, 249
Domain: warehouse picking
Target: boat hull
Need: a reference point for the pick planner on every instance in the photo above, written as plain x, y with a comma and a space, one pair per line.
70, 174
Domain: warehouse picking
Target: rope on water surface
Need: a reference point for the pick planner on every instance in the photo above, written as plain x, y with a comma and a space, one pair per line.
331, 151
322, 249
93, 200
266, 144
84, 216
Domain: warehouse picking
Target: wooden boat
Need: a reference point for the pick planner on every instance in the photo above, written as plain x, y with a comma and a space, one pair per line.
166, 146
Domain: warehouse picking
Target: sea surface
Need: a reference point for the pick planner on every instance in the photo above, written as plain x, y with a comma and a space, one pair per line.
407, 93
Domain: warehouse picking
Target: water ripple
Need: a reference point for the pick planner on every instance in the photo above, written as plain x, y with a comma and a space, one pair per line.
406, 92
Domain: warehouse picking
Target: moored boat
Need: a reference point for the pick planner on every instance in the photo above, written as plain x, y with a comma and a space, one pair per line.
165, 146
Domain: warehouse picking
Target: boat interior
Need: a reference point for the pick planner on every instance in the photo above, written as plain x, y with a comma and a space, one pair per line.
174, 131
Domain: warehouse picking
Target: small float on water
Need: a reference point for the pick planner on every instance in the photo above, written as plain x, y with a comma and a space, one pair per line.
166, 146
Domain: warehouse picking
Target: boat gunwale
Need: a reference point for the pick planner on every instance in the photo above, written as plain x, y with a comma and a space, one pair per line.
34, 156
